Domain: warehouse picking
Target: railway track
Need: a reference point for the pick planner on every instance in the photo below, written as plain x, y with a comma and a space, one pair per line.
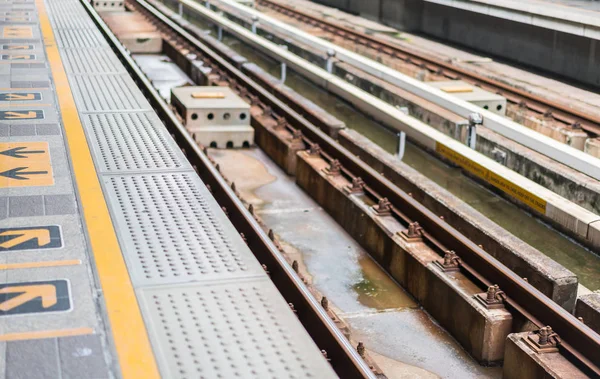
578, 340
545, 108
345, 360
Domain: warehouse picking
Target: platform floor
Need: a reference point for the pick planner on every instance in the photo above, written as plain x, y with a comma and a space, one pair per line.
115, 260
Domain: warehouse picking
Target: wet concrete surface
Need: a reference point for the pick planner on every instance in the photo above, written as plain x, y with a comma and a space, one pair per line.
567, 252
406, 342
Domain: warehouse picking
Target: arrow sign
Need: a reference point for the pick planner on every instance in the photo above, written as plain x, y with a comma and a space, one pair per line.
20, 96
6, 57
28, 238
21, 115
19, 173
17, 47
22, 236
46, 292
20, 152
34, 297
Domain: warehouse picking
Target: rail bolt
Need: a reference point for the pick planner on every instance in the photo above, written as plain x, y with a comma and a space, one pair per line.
414, 233
384, 207
315, 149
450, 262
545, 340
357, 186
334, 169
493, 298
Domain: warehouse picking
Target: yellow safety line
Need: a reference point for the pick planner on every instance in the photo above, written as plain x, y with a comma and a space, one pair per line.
45, 334
128, 330
13, 266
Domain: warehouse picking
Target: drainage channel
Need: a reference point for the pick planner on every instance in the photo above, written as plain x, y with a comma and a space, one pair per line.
562, 249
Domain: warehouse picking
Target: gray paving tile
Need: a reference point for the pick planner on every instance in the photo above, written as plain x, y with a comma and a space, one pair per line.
47, 129
25, 206
82, 357
3, 207
59, 204
21, 354
30, 84
22, 130
4, 130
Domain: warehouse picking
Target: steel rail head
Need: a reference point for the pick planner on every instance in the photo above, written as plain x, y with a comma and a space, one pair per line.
580, 340
345, 359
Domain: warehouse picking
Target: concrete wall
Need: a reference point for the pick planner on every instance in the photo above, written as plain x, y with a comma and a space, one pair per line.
570, 56
401, 14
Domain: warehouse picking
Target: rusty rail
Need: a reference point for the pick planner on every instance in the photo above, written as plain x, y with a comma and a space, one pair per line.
578, 340
535, 103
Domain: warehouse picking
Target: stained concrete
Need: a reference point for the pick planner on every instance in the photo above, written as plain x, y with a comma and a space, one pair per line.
521, 362
588, 308
380, 313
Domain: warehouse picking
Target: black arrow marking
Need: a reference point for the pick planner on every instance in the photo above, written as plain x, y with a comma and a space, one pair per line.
18, 152
16, 173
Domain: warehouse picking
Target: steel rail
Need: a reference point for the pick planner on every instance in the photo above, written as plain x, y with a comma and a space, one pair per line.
344, 359
538, 104
577, 339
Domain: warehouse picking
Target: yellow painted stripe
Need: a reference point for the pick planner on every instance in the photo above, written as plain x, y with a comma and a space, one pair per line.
45, 334
128, 330
13, 266
530, 199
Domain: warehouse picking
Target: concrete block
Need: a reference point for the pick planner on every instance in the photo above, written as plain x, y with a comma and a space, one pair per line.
142, 42
210, 107
134, 31
592, 147
521, 362
109, 6
224, 136
594, 233
278, 144
474, 95
588, 308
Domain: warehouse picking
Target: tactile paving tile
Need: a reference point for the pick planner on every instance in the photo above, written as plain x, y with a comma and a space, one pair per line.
229, 330
127, 142
172, 231
91, 61
67, 16
102, 93
79, 38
